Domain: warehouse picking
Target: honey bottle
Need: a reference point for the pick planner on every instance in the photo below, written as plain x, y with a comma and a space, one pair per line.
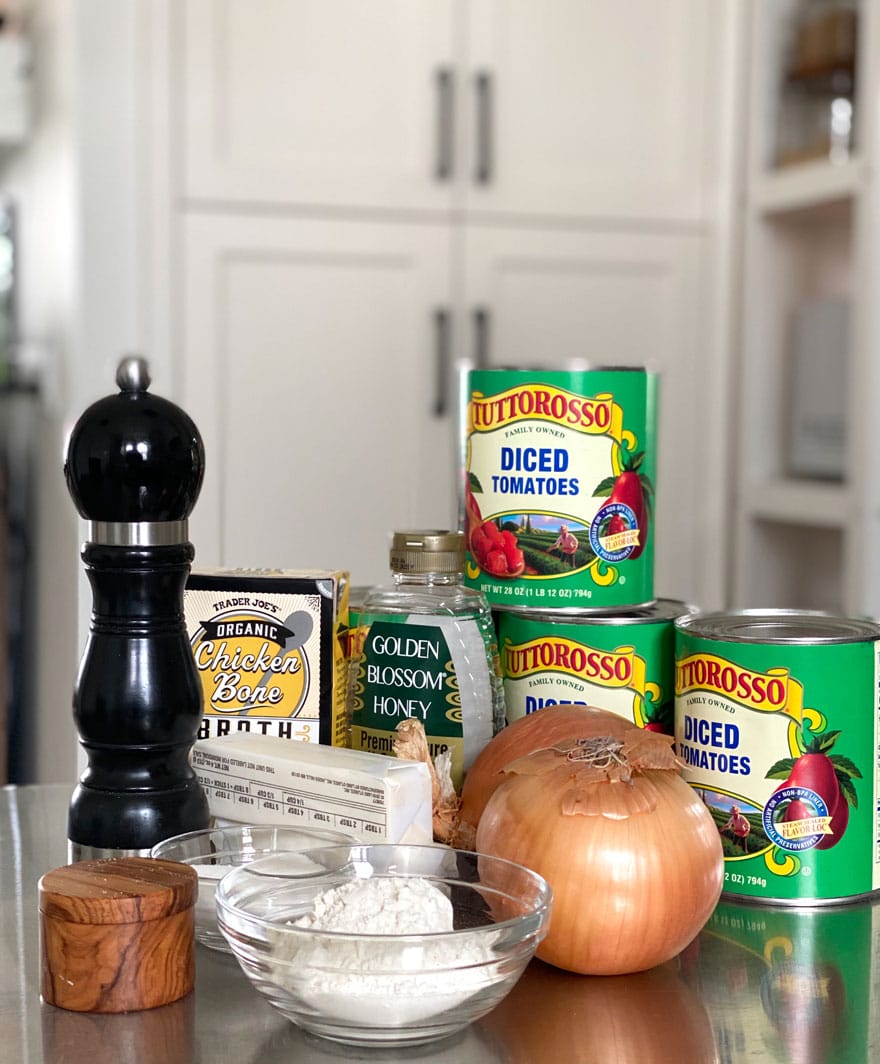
426, 650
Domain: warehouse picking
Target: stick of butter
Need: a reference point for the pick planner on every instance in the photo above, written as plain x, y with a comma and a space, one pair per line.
261, 779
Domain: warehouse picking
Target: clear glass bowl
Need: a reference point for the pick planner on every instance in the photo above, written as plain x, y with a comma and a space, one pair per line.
216, 851
384, 989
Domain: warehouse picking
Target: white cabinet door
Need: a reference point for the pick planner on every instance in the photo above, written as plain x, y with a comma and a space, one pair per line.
309, 364
601, 108
560, 300
556, 109
316, 102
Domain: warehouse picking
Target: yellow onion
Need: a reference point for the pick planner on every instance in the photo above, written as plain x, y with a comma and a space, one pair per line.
523, 736
647, 1018
631, 852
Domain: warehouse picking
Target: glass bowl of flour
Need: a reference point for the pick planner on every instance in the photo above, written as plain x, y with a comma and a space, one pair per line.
386, 944
216, 851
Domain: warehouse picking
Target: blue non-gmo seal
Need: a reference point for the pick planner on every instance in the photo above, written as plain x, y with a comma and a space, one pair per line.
598, 527
772, 825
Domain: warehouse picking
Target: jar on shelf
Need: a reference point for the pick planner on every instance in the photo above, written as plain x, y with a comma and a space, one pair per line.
817, 90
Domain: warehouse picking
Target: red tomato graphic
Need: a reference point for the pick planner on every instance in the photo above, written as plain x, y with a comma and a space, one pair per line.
495, 551
816, 772
628, 490
616, 524
797, 810
514, 556
473, 517
839, 821
829, 775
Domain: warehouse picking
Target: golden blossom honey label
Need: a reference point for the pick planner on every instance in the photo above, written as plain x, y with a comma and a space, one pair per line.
270, 652
559, 487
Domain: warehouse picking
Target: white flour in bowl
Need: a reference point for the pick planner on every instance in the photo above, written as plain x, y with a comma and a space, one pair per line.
384, 984
399, 905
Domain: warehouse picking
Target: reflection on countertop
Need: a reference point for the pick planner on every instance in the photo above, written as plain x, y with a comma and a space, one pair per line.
760, 984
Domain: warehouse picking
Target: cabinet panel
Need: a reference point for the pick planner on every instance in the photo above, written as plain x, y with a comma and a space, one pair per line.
554, 109
598, 108
309, 366
331, 102
589, 298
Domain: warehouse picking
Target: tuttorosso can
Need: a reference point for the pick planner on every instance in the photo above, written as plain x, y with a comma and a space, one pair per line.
559, 487
624, 663
776, 721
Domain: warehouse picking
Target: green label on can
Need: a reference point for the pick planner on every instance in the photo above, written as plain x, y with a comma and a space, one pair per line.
627, 669
559, 487
781, 742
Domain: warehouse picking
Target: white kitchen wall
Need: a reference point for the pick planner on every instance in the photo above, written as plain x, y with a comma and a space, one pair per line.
40, 180
75, 185
103, 207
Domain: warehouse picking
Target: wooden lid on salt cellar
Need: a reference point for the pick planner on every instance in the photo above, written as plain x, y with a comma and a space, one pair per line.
117, 935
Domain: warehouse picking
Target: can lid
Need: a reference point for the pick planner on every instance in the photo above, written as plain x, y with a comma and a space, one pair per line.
118, 890
427, 551
656, 612
779, 626
572, 365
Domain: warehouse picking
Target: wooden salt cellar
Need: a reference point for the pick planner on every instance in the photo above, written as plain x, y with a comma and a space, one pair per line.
117, 935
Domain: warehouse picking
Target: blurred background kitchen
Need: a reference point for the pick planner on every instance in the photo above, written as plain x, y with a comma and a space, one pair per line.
308, 214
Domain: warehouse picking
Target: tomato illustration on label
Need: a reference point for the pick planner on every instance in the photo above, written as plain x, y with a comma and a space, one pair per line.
624, 520
796, 809
661, 719
839, 821
817, 791
494, 549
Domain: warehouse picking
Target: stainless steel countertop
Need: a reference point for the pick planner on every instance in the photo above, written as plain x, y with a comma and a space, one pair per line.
758, 985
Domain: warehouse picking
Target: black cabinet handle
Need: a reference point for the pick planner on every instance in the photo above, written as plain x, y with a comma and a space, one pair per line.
445, 145
484, 89
481, 337
442, 361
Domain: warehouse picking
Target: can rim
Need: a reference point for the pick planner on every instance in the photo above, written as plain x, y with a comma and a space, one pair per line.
577, 366
650, 613
779, 627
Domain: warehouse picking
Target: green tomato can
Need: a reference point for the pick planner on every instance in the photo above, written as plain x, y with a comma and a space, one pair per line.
622, 662
777, 722
559, 487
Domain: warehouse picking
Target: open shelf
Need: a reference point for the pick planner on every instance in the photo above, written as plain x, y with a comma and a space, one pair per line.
807, 503
792, 567
808, 396
807, 185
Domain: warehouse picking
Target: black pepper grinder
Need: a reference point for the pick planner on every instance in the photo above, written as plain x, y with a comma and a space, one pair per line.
134, 468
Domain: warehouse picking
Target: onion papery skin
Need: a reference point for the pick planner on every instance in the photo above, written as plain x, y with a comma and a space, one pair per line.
545, 727
629, 892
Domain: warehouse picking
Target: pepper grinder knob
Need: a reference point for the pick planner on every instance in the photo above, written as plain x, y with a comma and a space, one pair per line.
133, 374
135, 458
134, 468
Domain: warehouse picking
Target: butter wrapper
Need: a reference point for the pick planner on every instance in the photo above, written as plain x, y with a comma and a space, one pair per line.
270, 647
259, 779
